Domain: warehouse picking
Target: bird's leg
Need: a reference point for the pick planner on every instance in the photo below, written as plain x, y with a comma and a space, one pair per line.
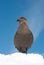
20, 49
23, 50
26, 50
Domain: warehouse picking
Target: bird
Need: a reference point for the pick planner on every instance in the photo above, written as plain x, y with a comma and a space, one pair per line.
23, 38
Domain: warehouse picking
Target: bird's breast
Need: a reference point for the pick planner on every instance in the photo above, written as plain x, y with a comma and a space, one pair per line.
23, 28
24, 39
24, 36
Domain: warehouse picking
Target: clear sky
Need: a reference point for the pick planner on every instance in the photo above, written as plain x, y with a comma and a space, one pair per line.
10, 10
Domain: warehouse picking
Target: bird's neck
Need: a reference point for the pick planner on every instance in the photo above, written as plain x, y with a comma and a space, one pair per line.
23, 22
23, 27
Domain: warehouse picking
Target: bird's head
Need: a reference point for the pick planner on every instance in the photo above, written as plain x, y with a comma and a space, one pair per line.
22, 19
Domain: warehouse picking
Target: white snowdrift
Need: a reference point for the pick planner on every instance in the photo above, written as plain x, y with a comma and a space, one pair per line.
21, 59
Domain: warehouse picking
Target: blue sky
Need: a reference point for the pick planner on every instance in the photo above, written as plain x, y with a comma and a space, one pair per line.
10, 10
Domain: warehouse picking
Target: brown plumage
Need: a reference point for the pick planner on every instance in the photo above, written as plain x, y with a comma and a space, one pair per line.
23, 38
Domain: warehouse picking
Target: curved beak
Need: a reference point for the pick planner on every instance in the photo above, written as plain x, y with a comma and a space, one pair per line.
18, 19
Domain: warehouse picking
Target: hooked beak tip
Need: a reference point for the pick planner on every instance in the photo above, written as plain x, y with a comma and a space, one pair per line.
17, 19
